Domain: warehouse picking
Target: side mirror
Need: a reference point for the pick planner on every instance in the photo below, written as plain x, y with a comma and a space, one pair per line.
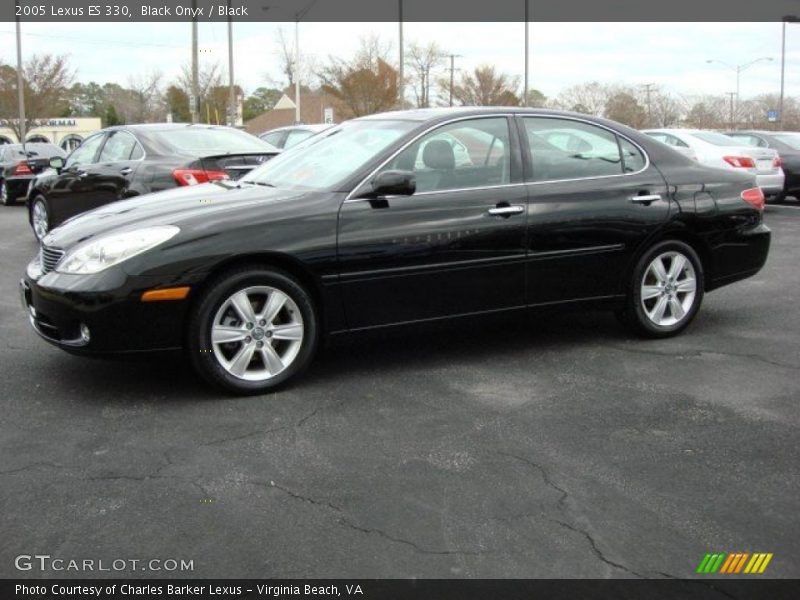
56, 162
393, 183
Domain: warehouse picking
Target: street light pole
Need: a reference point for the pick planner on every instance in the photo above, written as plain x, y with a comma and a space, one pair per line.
786, 19
231, 92
525, 92
297, 70
20, 88
194, 101
739, 69
401, 88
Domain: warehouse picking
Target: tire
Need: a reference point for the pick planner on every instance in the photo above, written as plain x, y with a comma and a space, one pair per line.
670, 301
243, 360
40, 228
5, 195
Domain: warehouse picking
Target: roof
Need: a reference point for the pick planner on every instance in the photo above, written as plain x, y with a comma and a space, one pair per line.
312, 110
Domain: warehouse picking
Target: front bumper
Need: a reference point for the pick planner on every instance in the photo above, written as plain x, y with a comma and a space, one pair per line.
62, 309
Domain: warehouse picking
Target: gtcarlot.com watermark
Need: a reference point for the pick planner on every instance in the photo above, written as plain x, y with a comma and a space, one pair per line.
47, 563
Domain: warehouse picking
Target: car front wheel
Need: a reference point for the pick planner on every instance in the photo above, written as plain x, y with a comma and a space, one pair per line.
252, 330
40, 218
665, 291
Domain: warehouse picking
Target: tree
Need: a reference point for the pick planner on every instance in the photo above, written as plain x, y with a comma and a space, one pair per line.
587, 98
111, 117
208, 77
177, 102
146, 97
536, 98
665, 110
484, 87
421, 61
261, 100
365, 84
709, 112
46, 82
623, 107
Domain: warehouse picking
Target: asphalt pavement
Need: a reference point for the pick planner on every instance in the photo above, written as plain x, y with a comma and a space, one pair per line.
562, 447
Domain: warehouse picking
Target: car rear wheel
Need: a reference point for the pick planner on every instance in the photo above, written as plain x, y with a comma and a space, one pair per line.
252, 330
5, 194
665, 291
40, 217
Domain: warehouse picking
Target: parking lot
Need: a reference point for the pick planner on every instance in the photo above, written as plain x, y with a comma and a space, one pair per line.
562, 447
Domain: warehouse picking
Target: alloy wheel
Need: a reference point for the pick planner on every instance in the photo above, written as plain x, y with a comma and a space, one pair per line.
257, 333
39, 219
668, 289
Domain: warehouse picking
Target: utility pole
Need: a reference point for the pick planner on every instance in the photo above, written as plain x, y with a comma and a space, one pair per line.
525, 92
647, 88
20, 88
297, 70
453, 58
401, 88
732, 95
231, 91
786, 19
194, 101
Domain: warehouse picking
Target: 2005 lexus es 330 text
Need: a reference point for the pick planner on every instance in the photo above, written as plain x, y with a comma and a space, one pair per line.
393, 219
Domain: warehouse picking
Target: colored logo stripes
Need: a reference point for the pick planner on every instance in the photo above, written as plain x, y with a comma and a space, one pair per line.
734, 563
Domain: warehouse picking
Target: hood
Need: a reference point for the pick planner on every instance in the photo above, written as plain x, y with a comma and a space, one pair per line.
180, 206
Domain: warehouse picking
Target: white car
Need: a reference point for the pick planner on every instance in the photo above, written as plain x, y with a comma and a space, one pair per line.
718, 150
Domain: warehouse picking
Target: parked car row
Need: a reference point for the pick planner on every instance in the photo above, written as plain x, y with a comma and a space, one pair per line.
19, 164
772, 157
393, 219
131, 160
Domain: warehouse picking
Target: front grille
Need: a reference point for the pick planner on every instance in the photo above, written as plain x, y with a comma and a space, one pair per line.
49, 258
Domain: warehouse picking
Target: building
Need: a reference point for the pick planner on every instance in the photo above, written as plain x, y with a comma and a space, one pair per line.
67, 132
314, 108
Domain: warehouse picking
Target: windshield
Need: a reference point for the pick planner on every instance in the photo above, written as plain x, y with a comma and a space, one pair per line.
716, 138
791, 140
209, 141
330, 157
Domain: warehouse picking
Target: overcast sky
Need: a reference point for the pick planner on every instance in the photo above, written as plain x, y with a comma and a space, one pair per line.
671, 55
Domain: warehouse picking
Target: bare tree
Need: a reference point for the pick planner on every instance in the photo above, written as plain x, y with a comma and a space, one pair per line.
209, 77
147, 97
422, 60
709, 112
47, 79
666, 110
484, 86
286, 59
588, 98
365, 84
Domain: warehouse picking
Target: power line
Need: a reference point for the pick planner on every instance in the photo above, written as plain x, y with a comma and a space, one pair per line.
93, 42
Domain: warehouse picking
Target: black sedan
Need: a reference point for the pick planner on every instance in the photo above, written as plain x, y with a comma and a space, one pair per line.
376, 224
121, 162
787, 143
20, 164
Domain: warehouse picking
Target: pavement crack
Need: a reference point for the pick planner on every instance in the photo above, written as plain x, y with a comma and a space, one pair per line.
244, 436
32, 466
303, 420
596, 550
296, 496
699, 354
409, 543
545, 477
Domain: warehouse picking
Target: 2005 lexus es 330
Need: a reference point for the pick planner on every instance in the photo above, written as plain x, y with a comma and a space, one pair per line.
393, 219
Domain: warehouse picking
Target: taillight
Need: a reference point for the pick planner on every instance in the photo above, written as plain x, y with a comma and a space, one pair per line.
740, 162
777, 162
22, 169
195, 176
754, 197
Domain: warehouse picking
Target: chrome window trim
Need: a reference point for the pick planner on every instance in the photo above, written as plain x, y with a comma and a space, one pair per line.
601, 126
136, 143
418, 136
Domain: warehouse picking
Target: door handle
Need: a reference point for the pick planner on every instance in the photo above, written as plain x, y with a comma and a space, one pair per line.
126, 171
645, 198
506, 211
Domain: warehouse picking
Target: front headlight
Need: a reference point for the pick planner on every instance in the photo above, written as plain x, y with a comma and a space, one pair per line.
112, 249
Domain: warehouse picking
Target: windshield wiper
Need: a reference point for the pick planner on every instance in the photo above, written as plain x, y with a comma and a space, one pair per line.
263, 183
